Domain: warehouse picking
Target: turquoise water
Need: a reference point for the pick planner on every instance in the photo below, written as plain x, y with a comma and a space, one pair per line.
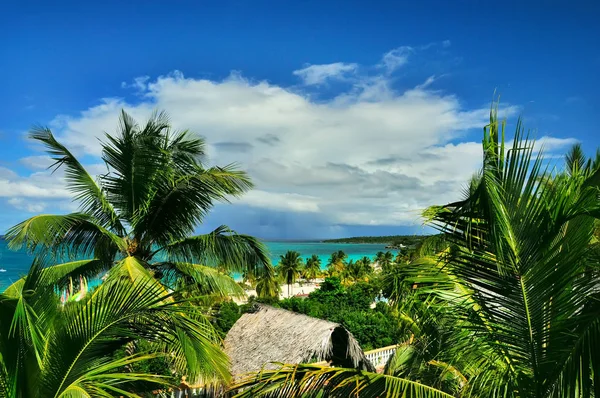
16, 263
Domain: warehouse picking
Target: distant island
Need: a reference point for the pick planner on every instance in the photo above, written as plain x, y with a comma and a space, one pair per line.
393, 241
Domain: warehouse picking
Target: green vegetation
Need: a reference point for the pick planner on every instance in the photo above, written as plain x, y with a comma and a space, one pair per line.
106, 344
350, 306
290, 268
396, 240
312, 269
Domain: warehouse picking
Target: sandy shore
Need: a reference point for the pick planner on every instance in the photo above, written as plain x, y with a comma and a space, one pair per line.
298, 288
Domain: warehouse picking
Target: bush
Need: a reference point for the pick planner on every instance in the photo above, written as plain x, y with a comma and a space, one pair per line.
226, 315
350, 307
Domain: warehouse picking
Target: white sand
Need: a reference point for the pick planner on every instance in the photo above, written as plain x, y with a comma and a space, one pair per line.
298, 288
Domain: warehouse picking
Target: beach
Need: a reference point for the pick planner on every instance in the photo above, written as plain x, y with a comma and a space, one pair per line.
17, 263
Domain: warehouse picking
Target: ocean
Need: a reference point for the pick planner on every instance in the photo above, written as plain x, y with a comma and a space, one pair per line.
16, 263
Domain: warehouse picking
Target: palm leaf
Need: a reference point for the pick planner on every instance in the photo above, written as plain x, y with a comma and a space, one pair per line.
58, 275
208, 279
92, 198
65, 235
317, 381
222, 247
181, 201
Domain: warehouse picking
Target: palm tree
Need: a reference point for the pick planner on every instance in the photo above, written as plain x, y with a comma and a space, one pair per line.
290, 267
138, 218
336, 262
75, 350
312, 269
352, 272
367, 265
523, 250
384, 260
267, 286
357, 270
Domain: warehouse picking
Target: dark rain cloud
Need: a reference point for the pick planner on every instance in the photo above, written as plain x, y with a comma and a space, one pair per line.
234, 146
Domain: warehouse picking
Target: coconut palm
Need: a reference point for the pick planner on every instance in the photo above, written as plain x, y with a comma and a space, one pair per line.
312, 269
357, 270
384, 260
523, 250
138, 218
367, 265
336, 262
75, 350
290, 267
267, 286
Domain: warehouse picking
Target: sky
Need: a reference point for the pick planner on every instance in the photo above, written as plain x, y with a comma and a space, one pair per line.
350, 116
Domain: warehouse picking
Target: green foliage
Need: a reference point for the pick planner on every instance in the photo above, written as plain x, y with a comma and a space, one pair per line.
267, 286
508, 308
406, 240
359, 270
312, 381
312, 269
226, 315
123, 339
290, 268
337, 263
351, 307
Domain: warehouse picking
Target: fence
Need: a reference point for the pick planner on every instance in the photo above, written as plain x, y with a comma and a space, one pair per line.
380, 356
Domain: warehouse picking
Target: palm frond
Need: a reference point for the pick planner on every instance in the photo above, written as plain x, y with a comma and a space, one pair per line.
317, 381
115, 314
90, 195
181, 200
222, 247
58, 275
135, 158
208, 280
521, 250
70, 235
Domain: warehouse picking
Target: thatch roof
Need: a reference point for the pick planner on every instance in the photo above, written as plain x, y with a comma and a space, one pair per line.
274, 335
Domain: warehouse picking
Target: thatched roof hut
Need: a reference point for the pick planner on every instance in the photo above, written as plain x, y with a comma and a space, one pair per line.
271, 334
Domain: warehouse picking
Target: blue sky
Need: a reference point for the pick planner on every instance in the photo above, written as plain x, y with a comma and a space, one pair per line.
350, 117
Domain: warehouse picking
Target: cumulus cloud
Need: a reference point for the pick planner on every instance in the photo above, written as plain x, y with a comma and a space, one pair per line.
370, 155
36, 185
319, 74
26, 205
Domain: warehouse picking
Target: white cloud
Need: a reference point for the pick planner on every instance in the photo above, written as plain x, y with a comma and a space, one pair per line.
549, 144
319, 74
396, 58
281, 201
31, 207
369, 156
36, 185
427, 82
37, 162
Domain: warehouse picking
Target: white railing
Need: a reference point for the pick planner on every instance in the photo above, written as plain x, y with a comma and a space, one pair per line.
380, 356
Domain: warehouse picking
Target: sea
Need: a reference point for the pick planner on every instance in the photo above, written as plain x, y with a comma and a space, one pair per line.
15, 264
